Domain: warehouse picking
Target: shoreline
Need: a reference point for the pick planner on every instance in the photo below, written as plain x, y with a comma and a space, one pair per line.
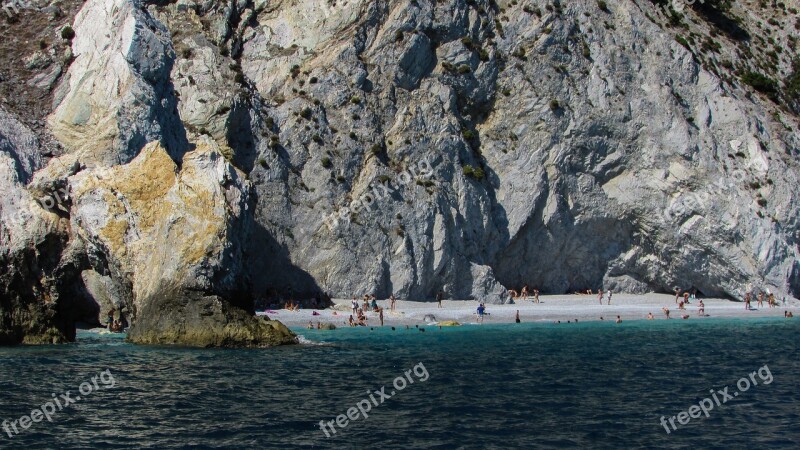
552, 308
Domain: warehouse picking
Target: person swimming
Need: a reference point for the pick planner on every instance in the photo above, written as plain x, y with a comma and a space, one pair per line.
619, 319
650, 316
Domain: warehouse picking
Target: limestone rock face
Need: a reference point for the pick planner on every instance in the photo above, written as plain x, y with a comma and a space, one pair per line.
117, 94
20, 147
609, 155
34, 249
176, 238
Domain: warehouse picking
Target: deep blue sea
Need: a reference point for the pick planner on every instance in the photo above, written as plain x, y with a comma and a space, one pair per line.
588, 385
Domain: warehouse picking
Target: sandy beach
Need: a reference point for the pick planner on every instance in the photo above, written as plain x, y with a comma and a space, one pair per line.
550, 308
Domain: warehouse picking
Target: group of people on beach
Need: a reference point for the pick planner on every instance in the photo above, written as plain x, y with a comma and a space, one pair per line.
370, 304
600, 295
287, 298
666, 311
683, 298
748, 296
524, 294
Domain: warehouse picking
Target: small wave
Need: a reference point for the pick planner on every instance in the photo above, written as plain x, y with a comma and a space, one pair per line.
95, 330
302, 340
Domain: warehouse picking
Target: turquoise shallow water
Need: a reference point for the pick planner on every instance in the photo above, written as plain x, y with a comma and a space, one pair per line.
596, 385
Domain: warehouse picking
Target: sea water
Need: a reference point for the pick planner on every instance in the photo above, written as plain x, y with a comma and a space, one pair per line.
598, 385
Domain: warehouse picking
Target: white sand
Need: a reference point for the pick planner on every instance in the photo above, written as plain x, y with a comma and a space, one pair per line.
550, 308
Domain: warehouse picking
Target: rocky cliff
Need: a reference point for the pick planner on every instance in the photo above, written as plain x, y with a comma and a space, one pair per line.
199, 154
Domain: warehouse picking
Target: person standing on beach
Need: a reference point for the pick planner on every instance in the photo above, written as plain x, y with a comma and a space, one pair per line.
760, 299
392, 301
380, 316
666, 311
439, 297
517, 318
677, 295
610, 293
650, 316
481, 310
702, 310
747, 301
354, 305
536, 295
600, 296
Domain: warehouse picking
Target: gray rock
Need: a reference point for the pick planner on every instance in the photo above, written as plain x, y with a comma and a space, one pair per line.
46, 80
18, 143
118, 93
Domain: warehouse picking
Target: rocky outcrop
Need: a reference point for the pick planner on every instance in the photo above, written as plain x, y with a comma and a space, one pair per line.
117, 94
205, 321
162, 245
33, 246
172, 242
